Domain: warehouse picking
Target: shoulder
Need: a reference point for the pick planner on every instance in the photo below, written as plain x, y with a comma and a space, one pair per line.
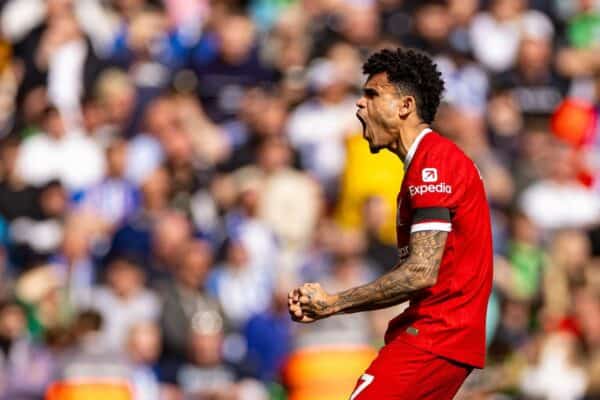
441, 152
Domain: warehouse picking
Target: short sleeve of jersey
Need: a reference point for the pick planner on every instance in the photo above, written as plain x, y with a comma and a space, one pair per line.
434, 181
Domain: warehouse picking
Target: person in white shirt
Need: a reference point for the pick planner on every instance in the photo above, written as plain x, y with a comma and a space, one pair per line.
123, 302
76, 160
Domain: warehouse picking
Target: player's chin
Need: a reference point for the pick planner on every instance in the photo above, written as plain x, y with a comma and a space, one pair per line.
374, 148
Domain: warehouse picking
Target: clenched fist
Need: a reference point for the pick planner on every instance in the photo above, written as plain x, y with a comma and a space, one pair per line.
310, 302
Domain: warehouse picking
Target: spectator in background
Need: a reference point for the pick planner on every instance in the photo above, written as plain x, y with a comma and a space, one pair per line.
206, 374
347, 270
123, 302
145, 152
241, 287
262, 115
116, 95
290, 202
567, 203
56, 153
496, 34
91, 358
115, 198
151, 53
36, 238
57, 54
269, 338
569, 255
526, 257
583, 27
73, 261
431, 27
557, 375
184, 298
17, 199
322, 149
143, 349
25, 368
227, 62
534, 83
245, 223
135, 236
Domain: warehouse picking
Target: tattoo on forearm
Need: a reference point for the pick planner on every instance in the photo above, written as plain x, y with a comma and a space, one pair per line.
417, 272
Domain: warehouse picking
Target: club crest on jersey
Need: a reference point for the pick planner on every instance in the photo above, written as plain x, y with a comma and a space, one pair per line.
429, 175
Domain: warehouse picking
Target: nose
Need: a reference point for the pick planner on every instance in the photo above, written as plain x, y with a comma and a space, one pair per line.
361, 103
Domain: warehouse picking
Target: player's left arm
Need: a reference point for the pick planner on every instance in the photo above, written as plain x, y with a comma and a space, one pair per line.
419, 271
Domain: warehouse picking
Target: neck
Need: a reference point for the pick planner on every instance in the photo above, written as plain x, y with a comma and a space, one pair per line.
406, 137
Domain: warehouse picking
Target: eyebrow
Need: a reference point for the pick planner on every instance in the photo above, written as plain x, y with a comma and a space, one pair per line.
369, 91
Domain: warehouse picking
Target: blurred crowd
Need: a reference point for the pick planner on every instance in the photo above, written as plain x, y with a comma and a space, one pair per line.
170, 169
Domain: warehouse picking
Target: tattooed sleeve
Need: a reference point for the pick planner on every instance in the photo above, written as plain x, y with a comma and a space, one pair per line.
418, 272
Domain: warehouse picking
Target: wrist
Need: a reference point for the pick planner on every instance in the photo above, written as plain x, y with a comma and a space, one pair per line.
335, 304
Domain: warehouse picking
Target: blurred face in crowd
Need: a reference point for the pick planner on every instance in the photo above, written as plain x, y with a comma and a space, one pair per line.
462, 10
237, 255
504, 115
54, 124
58, 8
8, 157
433, 22
63, 28
178, 147
561, 164
275, 154
94, 116
206, 348
534, 56
53, 200
161, 117
515, 316
12, 322
116, 95
155, 189
171, 232
146, 30
236, 35
360, 24
271, 120
75, 243
125, 278
524, 230
34, 104
144, 343
506, 10
129, 6
381, 110
194, 264
347, 60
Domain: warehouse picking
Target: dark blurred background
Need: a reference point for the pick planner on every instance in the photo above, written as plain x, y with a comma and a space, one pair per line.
170, 169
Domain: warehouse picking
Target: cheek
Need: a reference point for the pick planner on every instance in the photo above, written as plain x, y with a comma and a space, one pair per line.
384, 113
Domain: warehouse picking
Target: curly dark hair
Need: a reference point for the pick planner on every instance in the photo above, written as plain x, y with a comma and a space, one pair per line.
414, 73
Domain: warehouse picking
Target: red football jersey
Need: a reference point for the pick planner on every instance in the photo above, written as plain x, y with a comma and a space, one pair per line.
447, 319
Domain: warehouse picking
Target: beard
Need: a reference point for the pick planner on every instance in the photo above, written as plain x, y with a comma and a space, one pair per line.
374, 148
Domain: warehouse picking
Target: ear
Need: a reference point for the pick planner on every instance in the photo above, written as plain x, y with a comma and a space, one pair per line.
408, 105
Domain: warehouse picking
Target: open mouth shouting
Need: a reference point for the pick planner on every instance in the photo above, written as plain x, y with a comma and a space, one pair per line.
364, 125
373, 148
